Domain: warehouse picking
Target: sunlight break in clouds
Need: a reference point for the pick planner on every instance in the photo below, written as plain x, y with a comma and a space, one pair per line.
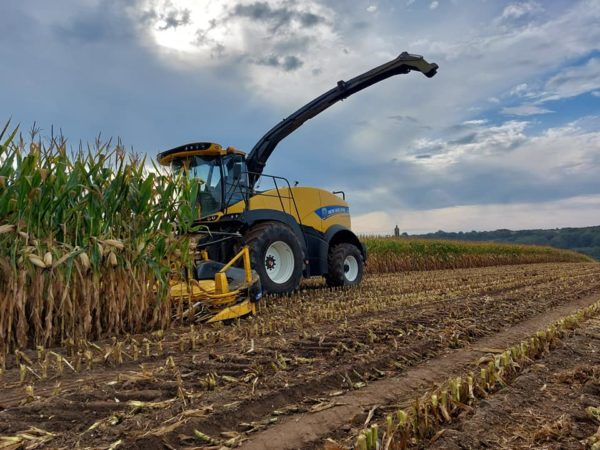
188, 17
219, 31
260, 40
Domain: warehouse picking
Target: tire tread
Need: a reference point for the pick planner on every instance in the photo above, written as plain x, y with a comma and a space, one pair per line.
335, 264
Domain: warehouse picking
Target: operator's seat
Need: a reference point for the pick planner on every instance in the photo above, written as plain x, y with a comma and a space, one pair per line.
207, 202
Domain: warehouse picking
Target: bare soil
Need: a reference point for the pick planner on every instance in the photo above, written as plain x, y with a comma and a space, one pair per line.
398, 392
307, 367
544, 408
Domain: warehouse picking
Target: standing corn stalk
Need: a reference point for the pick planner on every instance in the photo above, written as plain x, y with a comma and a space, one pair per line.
87, 241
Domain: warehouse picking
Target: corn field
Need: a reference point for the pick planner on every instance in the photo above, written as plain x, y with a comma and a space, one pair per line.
86, 241
387, 254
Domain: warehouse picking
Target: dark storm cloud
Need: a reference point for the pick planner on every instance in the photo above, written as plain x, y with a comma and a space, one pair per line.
276, 17
288, 63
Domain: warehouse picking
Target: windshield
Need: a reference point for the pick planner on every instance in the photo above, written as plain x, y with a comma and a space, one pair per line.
206, 169
223, 180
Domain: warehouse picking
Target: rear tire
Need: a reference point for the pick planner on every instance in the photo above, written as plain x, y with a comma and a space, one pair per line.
277, 257
345, 265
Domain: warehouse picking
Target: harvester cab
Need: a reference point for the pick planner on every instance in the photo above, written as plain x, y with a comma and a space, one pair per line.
288, 232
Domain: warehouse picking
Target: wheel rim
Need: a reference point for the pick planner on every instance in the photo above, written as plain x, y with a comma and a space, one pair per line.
350, 268
279, 262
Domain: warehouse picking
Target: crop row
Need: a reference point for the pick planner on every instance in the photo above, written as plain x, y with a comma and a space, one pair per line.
442, 404
387, 254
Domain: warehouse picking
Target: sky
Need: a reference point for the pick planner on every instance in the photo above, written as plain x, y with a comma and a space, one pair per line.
506, 135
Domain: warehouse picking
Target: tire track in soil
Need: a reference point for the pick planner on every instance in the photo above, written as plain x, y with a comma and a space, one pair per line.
308, 430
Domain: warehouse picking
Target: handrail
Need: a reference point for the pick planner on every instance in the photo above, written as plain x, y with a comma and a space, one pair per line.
290, 197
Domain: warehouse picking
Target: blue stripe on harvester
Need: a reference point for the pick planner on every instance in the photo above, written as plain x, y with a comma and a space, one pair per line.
325, 212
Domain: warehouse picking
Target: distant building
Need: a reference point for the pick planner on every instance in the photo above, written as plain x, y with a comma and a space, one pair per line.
396, 231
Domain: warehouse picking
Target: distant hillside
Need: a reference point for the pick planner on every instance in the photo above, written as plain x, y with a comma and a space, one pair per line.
584, 240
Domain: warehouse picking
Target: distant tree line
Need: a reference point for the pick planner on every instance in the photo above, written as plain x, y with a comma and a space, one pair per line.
585, 240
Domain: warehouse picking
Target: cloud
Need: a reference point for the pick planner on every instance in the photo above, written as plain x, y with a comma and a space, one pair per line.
475, 122
525, 110
174, 18
239, 33
287, 63
573, 81
480, 165
276, 16
403, 118
519, 90
520, 9
474, 140
434, 4
371, 8
257, 41
566, 83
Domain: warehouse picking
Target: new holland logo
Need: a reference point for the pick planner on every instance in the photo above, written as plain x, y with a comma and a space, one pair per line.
326, 212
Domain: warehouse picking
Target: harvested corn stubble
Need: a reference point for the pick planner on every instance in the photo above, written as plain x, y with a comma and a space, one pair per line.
454, 396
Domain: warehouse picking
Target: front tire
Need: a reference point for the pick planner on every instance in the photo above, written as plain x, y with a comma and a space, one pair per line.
277, 257
345, 265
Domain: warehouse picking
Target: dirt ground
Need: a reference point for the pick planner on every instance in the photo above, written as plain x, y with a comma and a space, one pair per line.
320, 356
544, 408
